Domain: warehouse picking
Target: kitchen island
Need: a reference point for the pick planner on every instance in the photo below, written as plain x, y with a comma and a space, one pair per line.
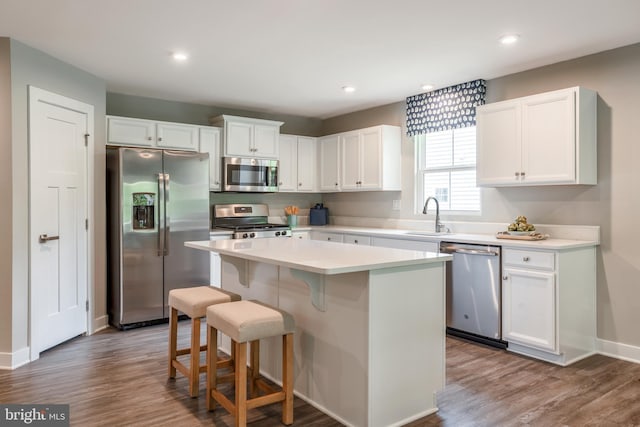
370, 322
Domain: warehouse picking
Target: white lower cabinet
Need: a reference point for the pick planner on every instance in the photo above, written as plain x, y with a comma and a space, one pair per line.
414, 245
548, 303
304, 235
528, 302
356, 239
329, 237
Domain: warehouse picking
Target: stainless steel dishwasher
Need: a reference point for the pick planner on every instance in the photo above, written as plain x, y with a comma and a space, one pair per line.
474, 293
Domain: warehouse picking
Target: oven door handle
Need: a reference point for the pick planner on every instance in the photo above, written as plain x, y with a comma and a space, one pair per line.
470, 251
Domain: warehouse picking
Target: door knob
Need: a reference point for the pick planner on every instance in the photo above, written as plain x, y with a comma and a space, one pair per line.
43, 238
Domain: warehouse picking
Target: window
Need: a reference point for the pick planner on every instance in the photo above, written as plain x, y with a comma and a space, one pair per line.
446, 170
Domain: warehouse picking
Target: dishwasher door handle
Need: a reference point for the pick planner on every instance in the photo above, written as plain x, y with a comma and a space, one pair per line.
472, 251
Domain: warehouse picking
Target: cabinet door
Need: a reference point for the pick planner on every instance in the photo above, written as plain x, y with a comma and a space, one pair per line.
356, 239
528, 308
306, 164
265, 141
329, 158
414, 245
210, 143
133, 132
371, 159
549, 138
350, 161
498, 136
329, 237
288, 165
181, 137
239, 139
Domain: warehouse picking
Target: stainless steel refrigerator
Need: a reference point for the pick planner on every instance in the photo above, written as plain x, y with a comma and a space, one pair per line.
156, 200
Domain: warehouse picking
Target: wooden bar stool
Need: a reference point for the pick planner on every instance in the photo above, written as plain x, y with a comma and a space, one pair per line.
248, 322
193, 302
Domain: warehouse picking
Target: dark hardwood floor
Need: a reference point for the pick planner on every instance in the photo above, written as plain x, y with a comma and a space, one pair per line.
119, 379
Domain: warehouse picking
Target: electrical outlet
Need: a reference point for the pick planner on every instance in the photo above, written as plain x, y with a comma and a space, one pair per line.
396, 205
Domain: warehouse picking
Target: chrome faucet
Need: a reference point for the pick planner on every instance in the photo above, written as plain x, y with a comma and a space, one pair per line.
424, 211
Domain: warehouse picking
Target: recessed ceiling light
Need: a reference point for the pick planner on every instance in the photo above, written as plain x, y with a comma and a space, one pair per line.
180, 56
427, 87
509, 39
348, 89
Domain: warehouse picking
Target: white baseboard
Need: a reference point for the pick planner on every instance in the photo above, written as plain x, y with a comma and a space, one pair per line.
100, 323
14, 360
617, 350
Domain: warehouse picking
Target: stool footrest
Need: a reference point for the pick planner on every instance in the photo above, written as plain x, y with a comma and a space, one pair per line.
223, 401
180, 367
267, 399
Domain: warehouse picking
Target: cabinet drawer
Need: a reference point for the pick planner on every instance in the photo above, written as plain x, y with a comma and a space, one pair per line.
357, 240
529, 259
329, 237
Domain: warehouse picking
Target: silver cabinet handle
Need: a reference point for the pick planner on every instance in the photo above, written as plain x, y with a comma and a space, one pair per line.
517, 174
505, 277
160, 139
299, 184
525, 258
149, 138
522, 174
43, 238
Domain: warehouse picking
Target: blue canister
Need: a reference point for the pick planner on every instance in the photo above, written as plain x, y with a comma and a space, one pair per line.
318, 215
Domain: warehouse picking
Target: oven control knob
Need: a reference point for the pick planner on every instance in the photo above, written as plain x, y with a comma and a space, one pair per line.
252, 235
277, 233
245, 235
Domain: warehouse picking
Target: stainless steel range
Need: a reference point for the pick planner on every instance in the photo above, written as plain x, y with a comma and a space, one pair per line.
249, 221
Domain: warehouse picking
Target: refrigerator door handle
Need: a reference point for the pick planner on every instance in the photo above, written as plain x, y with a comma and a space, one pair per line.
167, 219
161, 213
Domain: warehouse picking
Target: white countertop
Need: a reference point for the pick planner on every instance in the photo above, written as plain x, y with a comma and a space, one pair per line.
318, 256
483, 239
419, 235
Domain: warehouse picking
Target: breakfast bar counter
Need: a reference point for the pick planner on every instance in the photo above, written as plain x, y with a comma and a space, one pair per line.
370, 322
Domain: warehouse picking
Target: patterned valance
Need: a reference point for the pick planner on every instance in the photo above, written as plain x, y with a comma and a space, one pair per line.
450, 108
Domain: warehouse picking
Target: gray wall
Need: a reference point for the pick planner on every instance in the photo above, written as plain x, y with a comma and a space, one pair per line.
32, 67
171, 111
5, 194
613, 204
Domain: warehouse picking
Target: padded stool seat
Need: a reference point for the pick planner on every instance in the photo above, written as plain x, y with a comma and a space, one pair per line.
193, 302
248, 322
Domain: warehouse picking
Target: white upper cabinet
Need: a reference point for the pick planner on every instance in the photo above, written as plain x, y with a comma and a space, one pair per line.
210, 143
297, 167
247, 137
174, 135
545, 139
148, 133
329, 163
370, 159
361, 160
134, 132
307, 161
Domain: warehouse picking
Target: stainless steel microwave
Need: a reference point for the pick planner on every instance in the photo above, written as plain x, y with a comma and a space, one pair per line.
250, 175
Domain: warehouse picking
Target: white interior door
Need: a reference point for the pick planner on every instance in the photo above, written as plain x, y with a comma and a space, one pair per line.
58, 211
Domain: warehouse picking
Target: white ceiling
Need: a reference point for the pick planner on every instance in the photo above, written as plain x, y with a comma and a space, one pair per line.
294, 56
